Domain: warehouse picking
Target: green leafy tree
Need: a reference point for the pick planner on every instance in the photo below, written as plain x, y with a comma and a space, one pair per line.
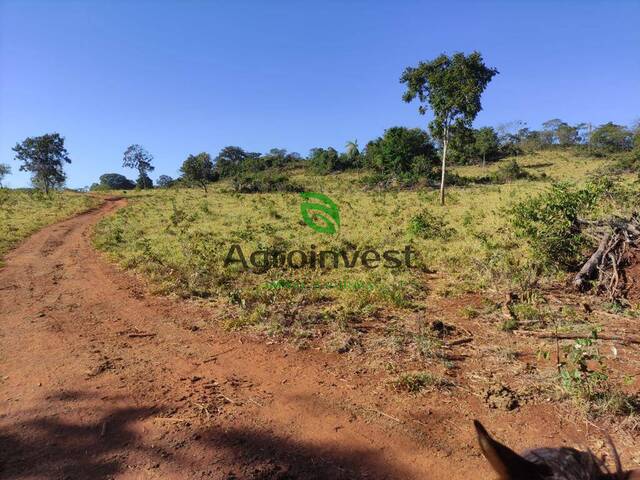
198, 169
610, 138
139, 159
231, 161
557, 132
548, 134
462, 148
44, 157
279, 158
4, 171
401, 151
165, 181
567, 135
451, 87
324, 161
114, 181
143, 182
486, 143
352, 153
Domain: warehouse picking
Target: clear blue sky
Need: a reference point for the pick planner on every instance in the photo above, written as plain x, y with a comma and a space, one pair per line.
188, 76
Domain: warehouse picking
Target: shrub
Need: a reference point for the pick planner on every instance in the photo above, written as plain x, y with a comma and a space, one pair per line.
263, 183
430, 225
551, 224
628, 162
510, 172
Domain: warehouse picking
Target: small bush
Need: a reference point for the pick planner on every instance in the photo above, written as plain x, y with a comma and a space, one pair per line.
551, 224
510, 172
430, 226
263, 183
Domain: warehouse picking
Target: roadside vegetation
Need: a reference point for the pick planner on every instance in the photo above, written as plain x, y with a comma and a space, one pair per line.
23, 211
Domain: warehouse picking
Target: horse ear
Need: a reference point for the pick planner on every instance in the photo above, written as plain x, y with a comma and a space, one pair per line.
507, 463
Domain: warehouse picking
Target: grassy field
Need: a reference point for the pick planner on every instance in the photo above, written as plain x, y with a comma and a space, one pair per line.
180, 239
24, 211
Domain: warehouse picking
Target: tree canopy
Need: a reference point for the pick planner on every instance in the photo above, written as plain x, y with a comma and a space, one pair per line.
139, 159
44, 157
165, 181
451, 87
611, 138
401, 151
229, 161
113, 181
198, 169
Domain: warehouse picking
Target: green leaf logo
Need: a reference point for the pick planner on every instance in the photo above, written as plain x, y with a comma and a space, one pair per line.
326, 211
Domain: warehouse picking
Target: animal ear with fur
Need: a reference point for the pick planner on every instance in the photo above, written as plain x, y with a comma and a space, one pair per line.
507, 463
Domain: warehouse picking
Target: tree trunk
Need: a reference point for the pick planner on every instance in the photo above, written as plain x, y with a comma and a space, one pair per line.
588, 270
484, 162
444, 164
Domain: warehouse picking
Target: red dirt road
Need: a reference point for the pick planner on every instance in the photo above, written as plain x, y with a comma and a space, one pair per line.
98, 379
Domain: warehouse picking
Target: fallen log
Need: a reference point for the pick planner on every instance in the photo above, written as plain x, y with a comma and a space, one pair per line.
589, 269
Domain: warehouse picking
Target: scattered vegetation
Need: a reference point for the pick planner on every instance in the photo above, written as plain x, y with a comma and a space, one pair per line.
23, 211
263, 183
415, 382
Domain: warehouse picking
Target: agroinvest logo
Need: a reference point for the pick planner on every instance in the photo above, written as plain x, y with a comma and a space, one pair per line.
322, 214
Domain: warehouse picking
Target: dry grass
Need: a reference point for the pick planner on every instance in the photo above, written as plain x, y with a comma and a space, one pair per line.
24, 211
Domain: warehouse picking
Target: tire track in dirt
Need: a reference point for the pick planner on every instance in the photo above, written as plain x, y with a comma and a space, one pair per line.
100, 380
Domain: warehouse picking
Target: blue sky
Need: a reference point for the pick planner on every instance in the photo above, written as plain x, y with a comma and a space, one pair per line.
188, 76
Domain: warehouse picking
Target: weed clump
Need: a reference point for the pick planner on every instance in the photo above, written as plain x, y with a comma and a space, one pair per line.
510, 172
415, 382
585, 378
429, 226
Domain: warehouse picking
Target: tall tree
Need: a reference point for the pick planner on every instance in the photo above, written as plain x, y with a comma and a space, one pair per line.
230, 161
165, 181
44, 157
351, 149
351, 154
611, 138
567, 135
139, 159
198, 169
4, 171
451, 87
486, 143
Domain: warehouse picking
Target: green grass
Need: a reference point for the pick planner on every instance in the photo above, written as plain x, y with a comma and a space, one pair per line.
180, 238
23, 211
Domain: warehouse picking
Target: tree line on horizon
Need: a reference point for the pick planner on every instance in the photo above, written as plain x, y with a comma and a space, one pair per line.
449, 86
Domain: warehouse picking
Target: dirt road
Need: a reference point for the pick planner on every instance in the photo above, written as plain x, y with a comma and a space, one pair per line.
101, 380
